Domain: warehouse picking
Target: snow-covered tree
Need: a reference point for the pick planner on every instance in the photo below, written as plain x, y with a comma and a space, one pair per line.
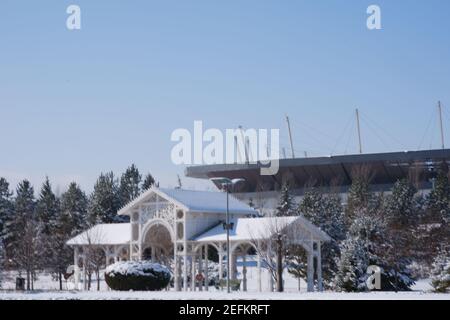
296, 262
436, 221
63, 256
326, 212
438, 200
26, 242
273, 250
440, 279
286, 205
6, 212
74, 210
366, 245
353, 263
2, 260
47, 210
359, 197
311, 206
400, 208
401, 217
47, 207
70, 222
129, 187
148, 182
94, 256
104, 201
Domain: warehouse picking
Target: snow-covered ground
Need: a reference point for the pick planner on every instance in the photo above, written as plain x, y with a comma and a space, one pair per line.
218, 295
47, 289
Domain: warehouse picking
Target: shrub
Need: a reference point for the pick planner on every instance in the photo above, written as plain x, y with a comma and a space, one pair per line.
440, 279
137, 275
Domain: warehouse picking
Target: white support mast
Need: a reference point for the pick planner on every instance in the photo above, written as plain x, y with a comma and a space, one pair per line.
246, 145
359, 131
290, 136
441, 126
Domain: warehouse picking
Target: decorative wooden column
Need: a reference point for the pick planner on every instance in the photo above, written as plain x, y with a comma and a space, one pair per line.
200, 268
84, 273
176, 270
259, 274
319, 267
270, 281
220, 261
185, 270
193, 272
231, 263
310, 271
76, 268
206, 268
244, 273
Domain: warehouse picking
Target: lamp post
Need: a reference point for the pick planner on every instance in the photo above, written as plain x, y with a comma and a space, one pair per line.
227, 185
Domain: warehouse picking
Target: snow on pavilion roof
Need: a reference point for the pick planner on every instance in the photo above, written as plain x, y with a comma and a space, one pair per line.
194, 201
247, 229
103, 234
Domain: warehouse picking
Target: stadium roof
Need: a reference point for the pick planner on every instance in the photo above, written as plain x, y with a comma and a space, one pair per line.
385, 169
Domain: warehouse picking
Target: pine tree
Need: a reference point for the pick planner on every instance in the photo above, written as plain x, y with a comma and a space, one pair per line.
366, 245
104, 201
352, 264
326, 212
74, 210
439, 199
296, 262
62, 252
359, 197
6, 212
25, 242
311, 206
149, 181
2, 260
130, 185
436, 221
400, 204
48, 209
286, 205
440, 279
70, 222
129, 188
401, 219
358, 252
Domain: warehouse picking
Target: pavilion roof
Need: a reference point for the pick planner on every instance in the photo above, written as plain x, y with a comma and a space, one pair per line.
194, 201
248, 229
103, 234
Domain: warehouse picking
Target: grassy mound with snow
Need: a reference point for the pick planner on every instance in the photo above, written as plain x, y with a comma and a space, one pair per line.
137, 276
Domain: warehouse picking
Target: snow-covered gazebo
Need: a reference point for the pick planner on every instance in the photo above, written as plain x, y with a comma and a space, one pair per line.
177, 226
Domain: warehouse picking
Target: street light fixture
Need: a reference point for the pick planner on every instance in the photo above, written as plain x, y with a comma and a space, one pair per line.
227, 185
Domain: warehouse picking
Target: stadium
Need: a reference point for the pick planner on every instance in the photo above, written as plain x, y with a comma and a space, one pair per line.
331, 174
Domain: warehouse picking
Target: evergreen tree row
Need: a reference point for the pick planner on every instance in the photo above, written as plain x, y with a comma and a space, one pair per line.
34, 230
405, 233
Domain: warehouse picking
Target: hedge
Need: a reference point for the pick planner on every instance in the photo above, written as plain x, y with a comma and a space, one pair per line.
137, 276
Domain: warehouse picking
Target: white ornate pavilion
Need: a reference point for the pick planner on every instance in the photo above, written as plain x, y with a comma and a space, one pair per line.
177, 227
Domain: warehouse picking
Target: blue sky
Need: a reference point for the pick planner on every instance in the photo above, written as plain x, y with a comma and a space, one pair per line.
75, 103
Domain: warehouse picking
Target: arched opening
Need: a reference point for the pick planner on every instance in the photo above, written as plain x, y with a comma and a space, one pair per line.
297, 265
245, 266
123, 254
157, 244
